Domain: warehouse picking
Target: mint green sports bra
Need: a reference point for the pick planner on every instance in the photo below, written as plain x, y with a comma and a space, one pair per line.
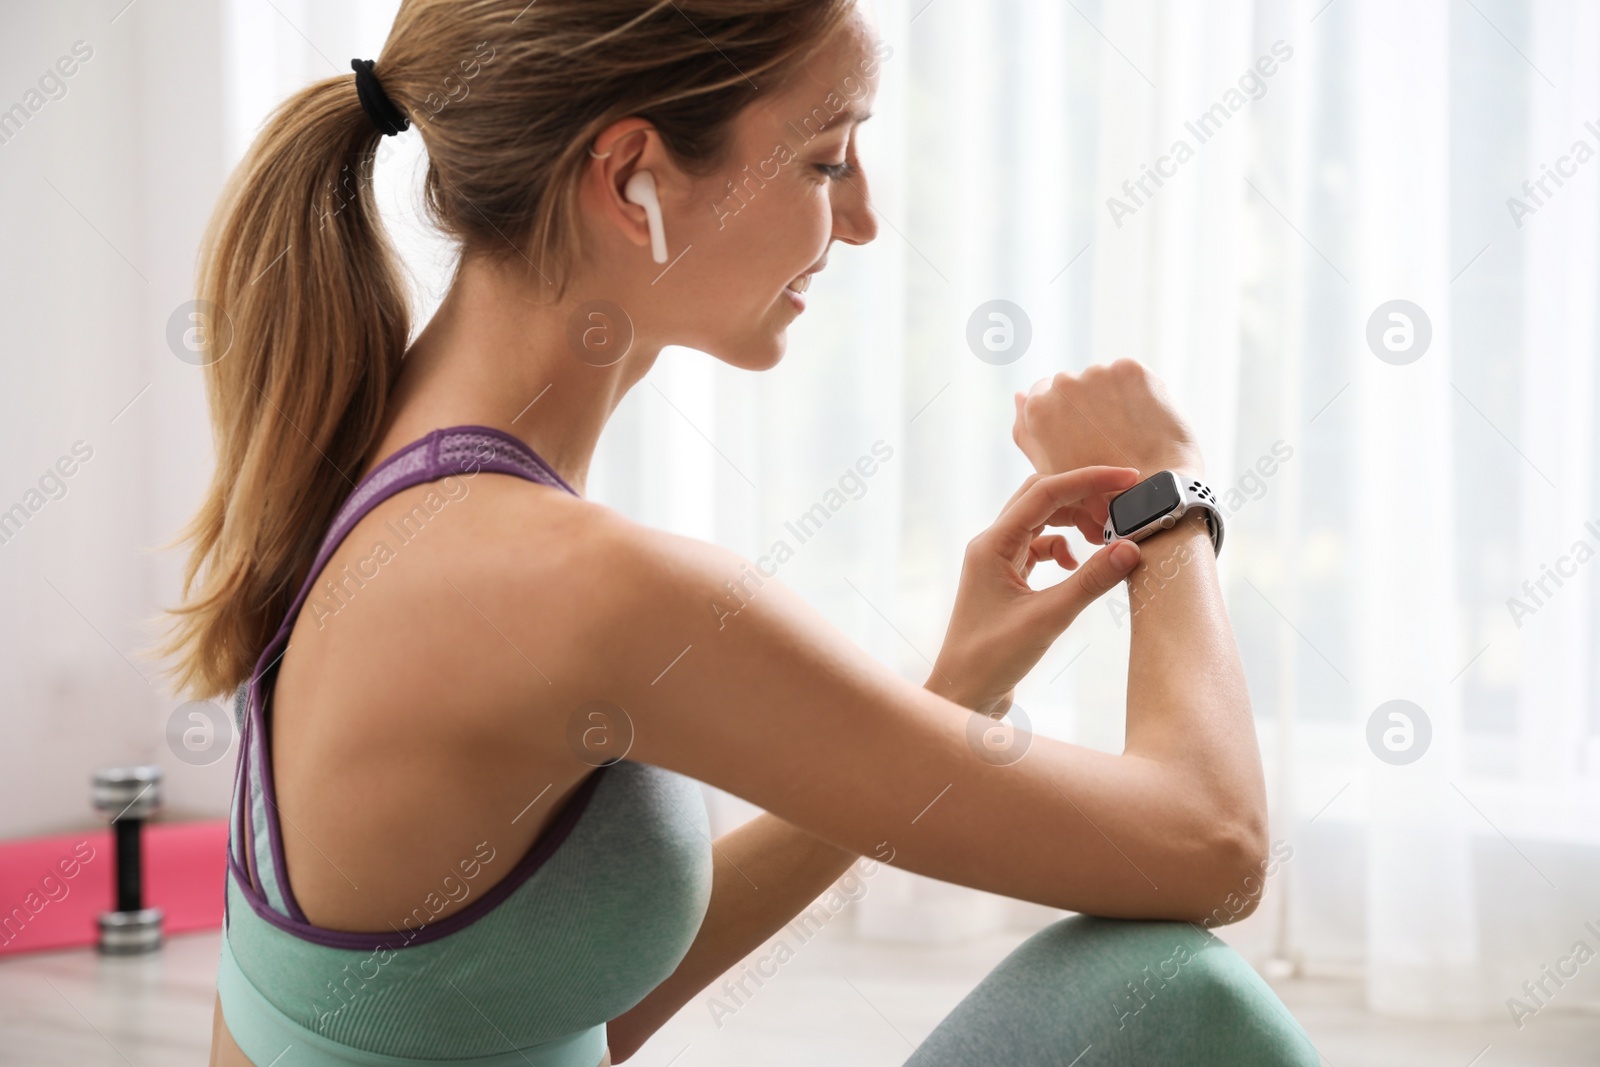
597, 913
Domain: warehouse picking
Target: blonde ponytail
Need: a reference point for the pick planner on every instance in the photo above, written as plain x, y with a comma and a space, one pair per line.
302, 285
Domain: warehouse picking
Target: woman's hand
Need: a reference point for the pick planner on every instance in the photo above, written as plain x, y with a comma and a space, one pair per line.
1118, 413
1000, 626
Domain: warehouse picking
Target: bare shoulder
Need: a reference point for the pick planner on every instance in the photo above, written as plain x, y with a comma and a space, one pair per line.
680, 633
556, 594
724, 673
578, 550
607, 565
500, 591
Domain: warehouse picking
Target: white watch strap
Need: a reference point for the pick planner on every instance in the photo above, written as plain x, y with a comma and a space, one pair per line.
1197, 494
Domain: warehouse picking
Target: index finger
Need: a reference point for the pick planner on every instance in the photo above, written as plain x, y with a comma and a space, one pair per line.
1031, 509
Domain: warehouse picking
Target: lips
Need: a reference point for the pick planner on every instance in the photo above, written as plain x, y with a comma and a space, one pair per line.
802, 283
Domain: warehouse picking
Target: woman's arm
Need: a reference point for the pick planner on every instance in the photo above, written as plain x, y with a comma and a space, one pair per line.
763, 874
760, 696
727, 677
1187, 698
768, 871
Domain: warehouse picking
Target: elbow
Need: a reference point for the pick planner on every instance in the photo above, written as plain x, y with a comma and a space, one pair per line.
1232, 867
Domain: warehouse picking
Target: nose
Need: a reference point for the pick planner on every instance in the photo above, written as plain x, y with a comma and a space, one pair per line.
854, 220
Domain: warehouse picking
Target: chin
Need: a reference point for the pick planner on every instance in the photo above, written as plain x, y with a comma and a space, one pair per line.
754, 354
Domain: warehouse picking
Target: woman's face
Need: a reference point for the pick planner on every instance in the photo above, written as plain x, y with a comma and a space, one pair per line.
758, 228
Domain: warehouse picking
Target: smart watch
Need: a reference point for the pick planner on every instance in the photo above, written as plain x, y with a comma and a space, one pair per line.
1157, 503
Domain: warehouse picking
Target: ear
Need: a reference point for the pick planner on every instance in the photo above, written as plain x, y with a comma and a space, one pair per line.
623, 149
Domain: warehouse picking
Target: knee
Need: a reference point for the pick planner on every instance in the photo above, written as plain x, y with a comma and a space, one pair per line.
1234, 1014
1121, 973
1172, 985
1224, 985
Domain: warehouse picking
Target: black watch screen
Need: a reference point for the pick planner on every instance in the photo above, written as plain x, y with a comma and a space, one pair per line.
1149, 500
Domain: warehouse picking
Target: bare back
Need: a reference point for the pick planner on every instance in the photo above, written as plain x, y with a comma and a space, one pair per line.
411, 716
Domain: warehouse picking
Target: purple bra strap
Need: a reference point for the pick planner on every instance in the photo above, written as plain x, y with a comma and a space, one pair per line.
462, 450
459, 450
541, 850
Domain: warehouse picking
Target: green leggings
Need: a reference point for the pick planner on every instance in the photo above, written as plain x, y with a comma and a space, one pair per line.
1087, 992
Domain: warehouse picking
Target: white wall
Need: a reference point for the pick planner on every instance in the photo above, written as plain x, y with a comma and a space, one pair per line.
104, 193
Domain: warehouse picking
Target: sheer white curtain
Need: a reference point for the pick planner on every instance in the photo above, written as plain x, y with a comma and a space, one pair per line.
1385, 513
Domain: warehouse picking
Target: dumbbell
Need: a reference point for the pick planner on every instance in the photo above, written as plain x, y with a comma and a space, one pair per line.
129, 795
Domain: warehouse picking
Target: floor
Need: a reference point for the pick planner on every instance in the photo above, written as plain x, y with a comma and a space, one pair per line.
838, 1001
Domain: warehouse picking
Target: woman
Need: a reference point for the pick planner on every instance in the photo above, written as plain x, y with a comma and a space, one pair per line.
475, 704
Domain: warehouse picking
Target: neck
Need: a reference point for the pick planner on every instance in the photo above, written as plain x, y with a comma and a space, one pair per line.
492, 357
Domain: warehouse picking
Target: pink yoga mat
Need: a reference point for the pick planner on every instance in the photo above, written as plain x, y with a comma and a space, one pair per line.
53, 888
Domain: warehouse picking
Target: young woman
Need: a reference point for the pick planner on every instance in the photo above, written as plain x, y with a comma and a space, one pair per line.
475, 704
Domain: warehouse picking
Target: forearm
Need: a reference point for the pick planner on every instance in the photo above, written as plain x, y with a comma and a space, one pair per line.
763, 874
1188, 704
957, 690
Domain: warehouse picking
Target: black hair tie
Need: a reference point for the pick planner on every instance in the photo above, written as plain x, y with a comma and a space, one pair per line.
375, 102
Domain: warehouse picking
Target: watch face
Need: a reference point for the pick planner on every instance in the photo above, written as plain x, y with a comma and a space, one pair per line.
1145, 502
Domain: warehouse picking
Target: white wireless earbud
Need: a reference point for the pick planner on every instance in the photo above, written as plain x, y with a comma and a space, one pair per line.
641, 190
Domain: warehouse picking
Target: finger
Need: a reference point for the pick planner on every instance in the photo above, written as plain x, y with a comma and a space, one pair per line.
1088, 523
1074, 494
1027, 514
1083, 521
1037, 551
1093, 532
1099, 574
1089, 517
1027, 483
1098, 507
1023, 488
1050, 546
1066, 559
1076, 515
1093, 510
